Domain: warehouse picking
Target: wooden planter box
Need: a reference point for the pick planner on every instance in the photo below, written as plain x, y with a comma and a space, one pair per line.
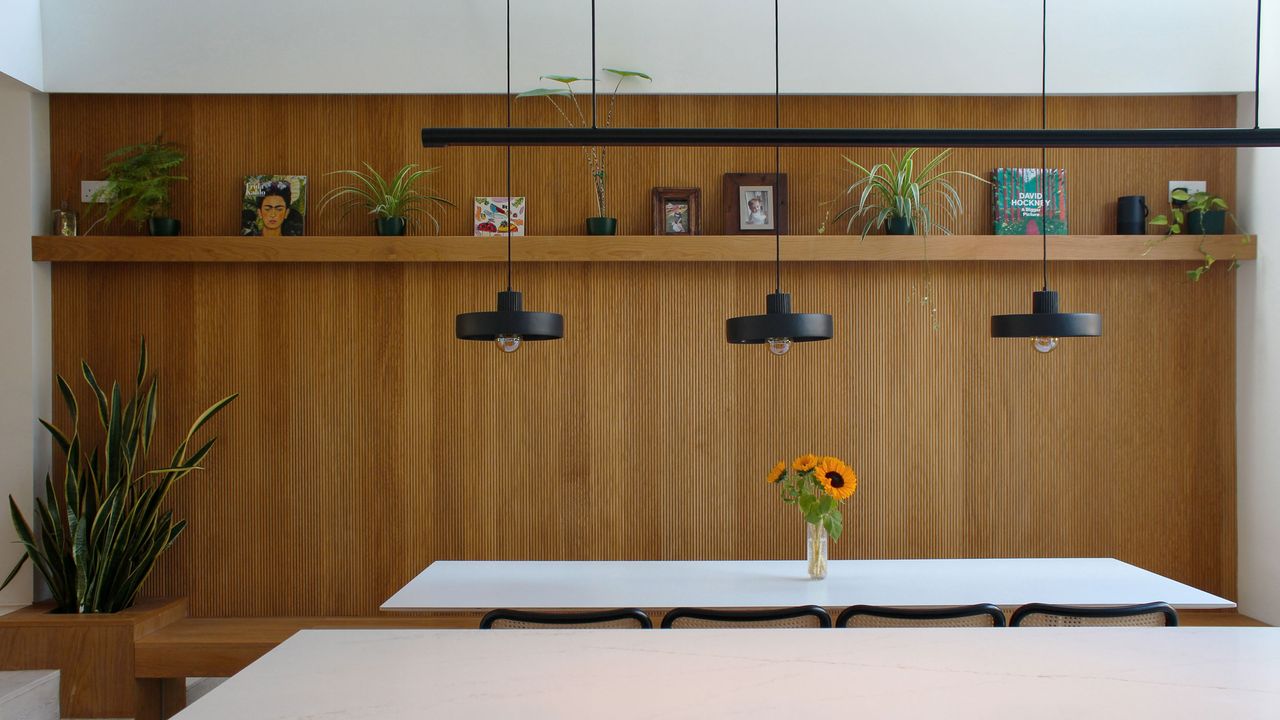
94, 653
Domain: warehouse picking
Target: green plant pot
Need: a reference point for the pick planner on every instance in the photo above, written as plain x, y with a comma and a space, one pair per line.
163, 226
602, 226
899, 226
391, 225
1211, 222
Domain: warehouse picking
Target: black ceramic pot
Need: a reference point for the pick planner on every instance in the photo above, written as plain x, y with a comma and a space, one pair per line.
391, 225
899, 226
602, 226
163, 226
1210, 222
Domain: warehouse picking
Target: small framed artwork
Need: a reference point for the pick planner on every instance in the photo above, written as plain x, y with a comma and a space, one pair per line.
755, 203
677, 211
273, 205
491, 216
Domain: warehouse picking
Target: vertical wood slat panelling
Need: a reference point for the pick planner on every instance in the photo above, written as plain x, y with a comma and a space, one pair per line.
368, 442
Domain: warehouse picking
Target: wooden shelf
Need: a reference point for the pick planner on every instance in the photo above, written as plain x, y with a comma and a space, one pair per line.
633, 248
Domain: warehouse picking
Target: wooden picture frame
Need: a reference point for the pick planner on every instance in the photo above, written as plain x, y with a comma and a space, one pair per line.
677, 211
742, 216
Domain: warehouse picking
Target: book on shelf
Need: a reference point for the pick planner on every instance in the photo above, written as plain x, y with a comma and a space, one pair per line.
1019, 208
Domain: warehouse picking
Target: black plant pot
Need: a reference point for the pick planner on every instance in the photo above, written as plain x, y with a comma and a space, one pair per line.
163, 226
1207, 222
391, 225
602, 226
899, 226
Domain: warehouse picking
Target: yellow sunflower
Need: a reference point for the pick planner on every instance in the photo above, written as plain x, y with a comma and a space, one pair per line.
837, 478
777, 472
806, 462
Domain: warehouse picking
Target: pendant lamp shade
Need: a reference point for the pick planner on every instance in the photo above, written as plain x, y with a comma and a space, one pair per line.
778, 323
1044, 320
510, 320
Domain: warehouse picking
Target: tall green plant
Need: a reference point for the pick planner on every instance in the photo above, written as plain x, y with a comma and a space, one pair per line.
595, 156
398, 197
101, 532
138, 181
896, 189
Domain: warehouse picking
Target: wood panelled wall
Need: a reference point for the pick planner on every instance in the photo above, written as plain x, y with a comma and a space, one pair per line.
368, 442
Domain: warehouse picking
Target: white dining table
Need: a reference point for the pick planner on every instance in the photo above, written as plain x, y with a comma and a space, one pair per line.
1008, 582
1164, 673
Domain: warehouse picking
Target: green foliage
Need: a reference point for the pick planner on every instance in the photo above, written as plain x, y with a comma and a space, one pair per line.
101, 532
897, 190
138, 181
804, 490
595, 156
1201, 202
398, 198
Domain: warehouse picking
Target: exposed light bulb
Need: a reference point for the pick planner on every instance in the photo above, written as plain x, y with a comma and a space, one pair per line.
508, 343
779, 346
1045, 344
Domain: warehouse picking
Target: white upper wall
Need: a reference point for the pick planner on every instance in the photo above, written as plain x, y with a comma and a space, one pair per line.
689, 46
20, 45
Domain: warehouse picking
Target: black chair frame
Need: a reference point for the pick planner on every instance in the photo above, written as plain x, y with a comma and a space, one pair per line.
941, 613
746, 616
566, 618
1112, 611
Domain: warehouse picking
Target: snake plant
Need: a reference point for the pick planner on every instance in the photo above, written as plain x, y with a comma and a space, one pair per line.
101, 532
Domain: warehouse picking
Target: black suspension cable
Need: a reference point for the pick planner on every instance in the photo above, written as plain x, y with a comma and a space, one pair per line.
1257, 70
777, 154
1044, 152
509, 200
593, 64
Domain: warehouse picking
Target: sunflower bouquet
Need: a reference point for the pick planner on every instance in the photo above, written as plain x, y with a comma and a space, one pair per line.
817, 485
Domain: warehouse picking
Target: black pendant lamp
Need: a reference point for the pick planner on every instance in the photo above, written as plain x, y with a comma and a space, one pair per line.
778, 327
1045, 324
510, 325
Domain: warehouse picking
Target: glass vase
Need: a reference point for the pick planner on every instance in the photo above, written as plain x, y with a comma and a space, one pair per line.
816, 550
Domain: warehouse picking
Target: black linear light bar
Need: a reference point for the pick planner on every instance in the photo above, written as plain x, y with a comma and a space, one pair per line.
855, 137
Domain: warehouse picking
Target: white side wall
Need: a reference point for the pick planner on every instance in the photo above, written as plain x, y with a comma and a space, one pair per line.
699, 46
21, 56
24, 313
1258, 350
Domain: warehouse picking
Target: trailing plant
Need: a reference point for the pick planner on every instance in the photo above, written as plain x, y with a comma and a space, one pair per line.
399, 197
139, 181
102, 530
595, 156
1174, 223
897, 190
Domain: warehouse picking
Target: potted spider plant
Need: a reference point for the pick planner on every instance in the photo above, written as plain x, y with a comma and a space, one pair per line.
572, 112
393, 203
139, 179
900, 197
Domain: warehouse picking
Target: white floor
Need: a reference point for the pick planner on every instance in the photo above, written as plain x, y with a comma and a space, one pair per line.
29, 695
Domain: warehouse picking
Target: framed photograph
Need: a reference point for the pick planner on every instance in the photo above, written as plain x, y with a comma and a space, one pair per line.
491, 216
677, 211
755, 203
274, 205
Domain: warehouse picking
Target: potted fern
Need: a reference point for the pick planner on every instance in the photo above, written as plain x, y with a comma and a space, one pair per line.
601, 224
139, 180
103, 528
900, 198
393, 203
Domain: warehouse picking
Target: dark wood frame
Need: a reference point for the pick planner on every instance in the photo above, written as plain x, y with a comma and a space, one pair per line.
567, 618
691, 196
746, 616
732, 212
923, 614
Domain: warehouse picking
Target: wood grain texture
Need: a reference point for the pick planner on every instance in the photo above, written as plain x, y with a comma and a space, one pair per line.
94, 654
636, 248
230, 136
367, 442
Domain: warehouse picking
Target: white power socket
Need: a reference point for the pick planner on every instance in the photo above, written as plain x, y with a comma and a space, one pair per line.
89, 187
1191, 186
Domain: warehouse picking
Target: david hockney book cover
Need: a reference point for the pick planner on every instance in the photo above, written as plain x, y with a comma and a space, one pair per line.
1018, 207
